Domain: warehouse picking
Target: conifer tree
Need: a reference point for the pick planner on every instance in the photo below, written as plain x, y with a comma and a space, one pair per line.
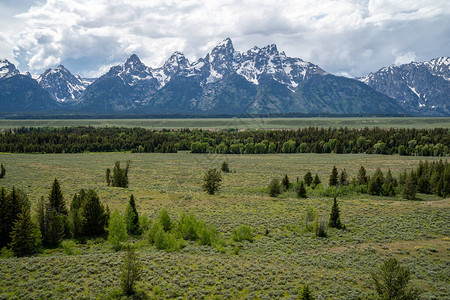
301, 191
5, 226
306, 293
108, 176
11, 208
25, 237
409, 189
40, 216
362, 177
2, 171
274, 188
285, 182
343, 178
335, 220
211, 181
225, 168
94, 214
131, 271
56, 199
376, 182
333, 177
308, 178
131, 217
55, 229
316, 181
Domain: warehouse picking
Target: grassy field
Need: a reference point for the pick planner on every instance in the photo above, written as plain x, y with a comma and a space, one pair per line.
240, 123
275, 265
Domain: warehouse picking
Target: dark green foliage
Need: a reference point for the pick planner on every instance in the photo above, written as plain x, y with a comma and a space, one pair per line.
243, 233
25, 236
285, 182
320, 229
409, 189
333, 177
311, 139
306, 294
343, 178
308, 178
56, 199
316, 181
132, 217
225, 168
131, 271
10, 207
108, 176
211, 181
301, 190
391, 281
165, 220
362, 176
274, 188
335, 220
375, 186
119, 177
2, 171
55, 229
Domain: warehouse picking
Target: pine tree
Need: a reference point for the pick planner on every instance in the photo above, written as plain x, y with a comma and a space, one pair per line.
335, 220
316, 181
11, 208
120, 176
338, 147
56, 199
131, 217
211, 181
225, 168
362, 177
308, 178
409, 189
376, 182
117, 230
301, 191
55, 229
285, 182
306, 293
94, 214
333, 177
2, 171
274, 188
40, 216
343, 178
5, 225
108, 176
25, 237
131, 272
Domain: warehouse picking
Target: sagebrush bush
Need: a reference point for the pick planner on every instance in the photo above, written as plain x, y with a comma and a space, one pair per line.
243, 233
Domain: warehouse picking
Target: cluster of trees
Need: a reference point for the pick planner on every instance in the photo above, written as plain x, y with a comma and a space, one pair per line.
427, 178
426, 142
2, 171
119, 176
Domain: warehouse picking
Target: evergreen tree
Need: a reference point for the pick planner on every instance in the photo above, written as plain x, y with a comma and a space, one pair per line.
285, 182
376, 182
2, 171
131, 272
131, 217
165, 220
77, 223
343, 178
409, 189
391, 281
308, 178
40, 215
25, 237
11, 207
362, 177
55, 229
301, 191
5, 225
108, 176
306, 293
211, 181
316, 181
117, 230
120, 176
335, 220
94, 214
333, 177
338, 147
56, 199
274, 188
225, 168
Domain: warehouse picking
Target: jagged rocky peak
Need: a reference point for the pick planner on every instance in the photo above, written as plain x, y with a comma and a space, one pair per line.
176, 62
7, 69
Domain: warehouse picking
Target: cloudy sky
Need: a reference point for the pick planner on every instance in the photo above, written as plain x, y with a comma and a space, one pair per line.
344, 37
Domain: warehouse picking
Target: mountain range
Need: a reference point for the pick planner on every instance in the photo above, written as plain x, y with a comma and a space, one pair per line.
226, 81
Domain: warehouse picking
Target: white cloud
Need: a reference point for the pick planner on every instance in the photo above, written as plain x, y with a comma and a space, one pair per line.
350, 37
404, 58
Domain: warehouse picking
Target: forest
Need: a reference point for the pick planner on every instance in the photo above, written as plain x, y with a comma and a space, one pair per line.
421, 142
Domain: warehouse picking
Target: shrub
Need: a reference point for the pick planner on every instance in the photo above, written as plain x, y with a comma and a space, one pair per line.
165, 220
144, 222
211, 181
310, 216
274, 188
306, 294
225, 167
320, 229
243, 233
69, 247
131, 271
117, 230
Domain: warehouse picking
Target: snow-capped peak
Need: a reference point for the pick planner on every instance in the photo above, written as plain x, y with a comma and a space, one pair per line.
7, 69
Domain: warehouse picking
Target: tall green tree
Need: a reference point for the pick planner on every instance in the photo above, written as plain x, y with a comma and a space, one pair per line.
120, 175
25, 236
391, 281
211, 181
335, 219
285, 182
132, 217
308, 179
409, 189
301, 190
55, 229
375, 186
362, 176
333, 177
10, 207
343, 178
94, 214
274, 188
131, 271
56, 199
316, 181
2, 171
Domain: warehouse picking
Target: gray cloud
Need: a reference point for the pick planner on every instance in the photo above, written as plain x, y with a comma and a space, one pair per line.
348, 37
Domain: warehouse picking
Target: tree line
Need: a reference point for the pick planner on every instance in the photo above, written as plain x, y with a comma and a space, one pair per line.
424, 142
